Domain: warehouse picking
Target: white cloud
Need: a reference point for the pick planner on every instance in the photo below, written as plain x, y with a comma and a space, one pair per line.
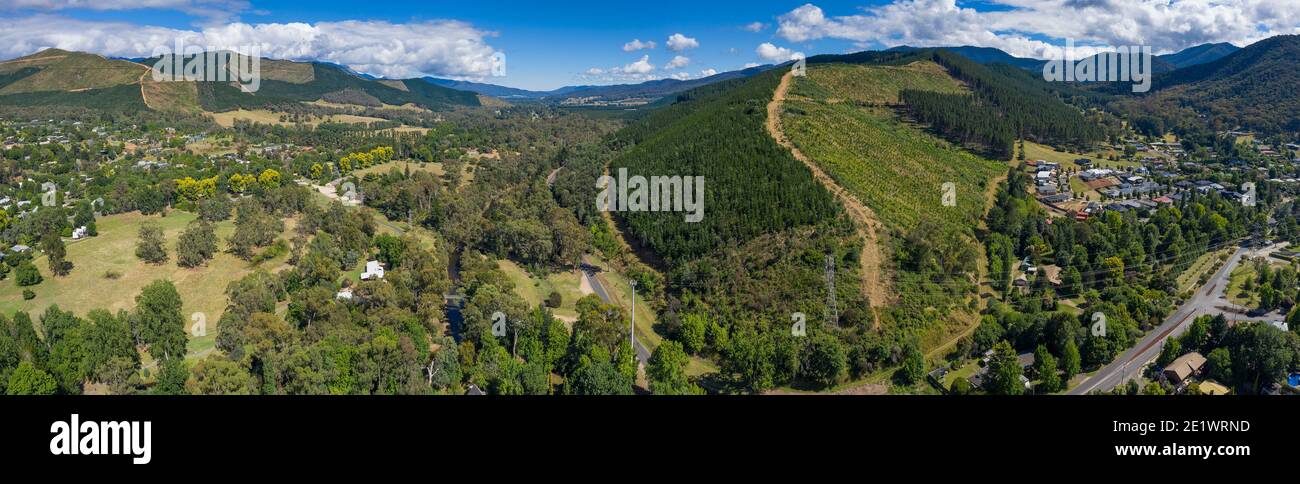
642, 70
683, 76
637, 44
214, 11
755, 27
1020, 26
751, 64
678, 62
642, 66
769, 51
446, 48
678, 42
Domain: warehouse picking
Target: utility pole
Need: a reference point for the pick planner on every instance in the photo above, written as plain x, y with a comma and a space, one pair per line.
632, 326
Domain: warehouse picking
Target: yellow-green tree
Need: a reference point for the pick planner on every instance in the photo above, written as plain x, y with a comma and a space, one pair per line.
269, 179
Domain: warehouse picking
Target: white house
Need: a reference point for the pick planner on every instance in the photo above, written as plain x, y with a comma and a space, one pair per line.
344, 294
374, 270
79, 233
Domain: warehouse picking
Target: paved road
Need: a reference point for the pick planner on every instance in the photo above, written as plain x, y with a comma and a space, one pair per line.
1207, 300
642, 353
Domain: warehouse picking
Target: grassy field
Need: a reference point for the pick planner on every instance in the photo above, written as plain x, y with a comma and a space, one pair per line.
534, 289
1237, 292
1236, 286
86, 288
467, 170
896, 169
212, 145
1035, 151
227, 119
435, 168
966, 371
874, 84
1189, 279
385, 107
620, 290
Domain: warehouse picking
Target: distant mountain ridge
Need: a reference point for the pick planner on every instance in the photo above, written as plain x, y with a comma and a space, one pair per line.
650, 89
1200, 54
982, 55
1188, 57
1254, 87
44, 78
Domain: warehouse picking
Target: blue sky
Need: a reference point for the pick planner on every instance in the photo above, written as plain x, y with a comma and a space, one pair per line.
552, 44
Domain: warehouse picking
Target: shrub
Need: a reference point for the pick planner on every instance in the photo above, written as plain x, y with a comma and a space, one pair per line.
28, 295
27, 274
554, 300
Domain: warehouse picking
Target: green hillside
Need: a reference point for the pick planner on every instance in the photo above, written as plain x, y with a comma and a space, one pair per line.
752, 187
325, 80
58, 77
1254, 88
59, 70
839, 116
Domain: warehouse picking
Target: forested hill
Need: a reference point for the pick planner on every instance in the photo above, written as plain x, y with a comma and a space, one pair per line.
56, 77
1254, 88
753, 185
1004, 104
325, 79
759, 254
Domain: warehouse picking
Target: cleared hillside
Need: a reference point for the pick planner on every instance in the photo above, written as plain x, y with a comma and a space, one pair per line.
58, 77
843, 116
849, 121
59, 70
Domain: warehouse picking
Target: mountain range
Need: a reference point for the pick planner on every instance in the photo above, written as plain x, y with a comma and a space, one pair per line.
649, 89
1191, 56
59, 77
1252, 87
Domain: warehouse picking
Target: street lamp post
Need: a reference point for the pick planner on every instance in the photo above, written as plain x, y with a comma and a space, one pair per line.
632, 327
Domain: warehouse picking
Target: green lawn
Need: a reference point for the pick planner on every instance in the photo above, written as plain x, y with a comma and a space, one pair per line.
534, 290
400, 165
1189, 278
1035, 151
86, 287
621, 291
1236, 292
966, 371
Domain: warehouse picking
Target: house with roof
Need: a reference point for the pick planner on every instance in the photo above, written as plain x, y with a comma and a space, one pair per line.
374, 270
1184, 367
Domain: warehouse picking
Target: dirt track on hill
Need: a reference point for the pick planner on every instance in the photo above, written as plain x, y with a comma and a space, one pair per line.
874, 284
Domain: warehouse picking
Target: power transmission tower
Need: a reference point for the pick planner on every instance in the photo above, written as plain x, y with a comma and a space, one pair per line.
832, 312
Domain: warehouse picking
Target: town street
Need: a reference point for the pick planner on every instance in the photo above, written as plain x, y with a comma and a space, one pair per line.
1207, 300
